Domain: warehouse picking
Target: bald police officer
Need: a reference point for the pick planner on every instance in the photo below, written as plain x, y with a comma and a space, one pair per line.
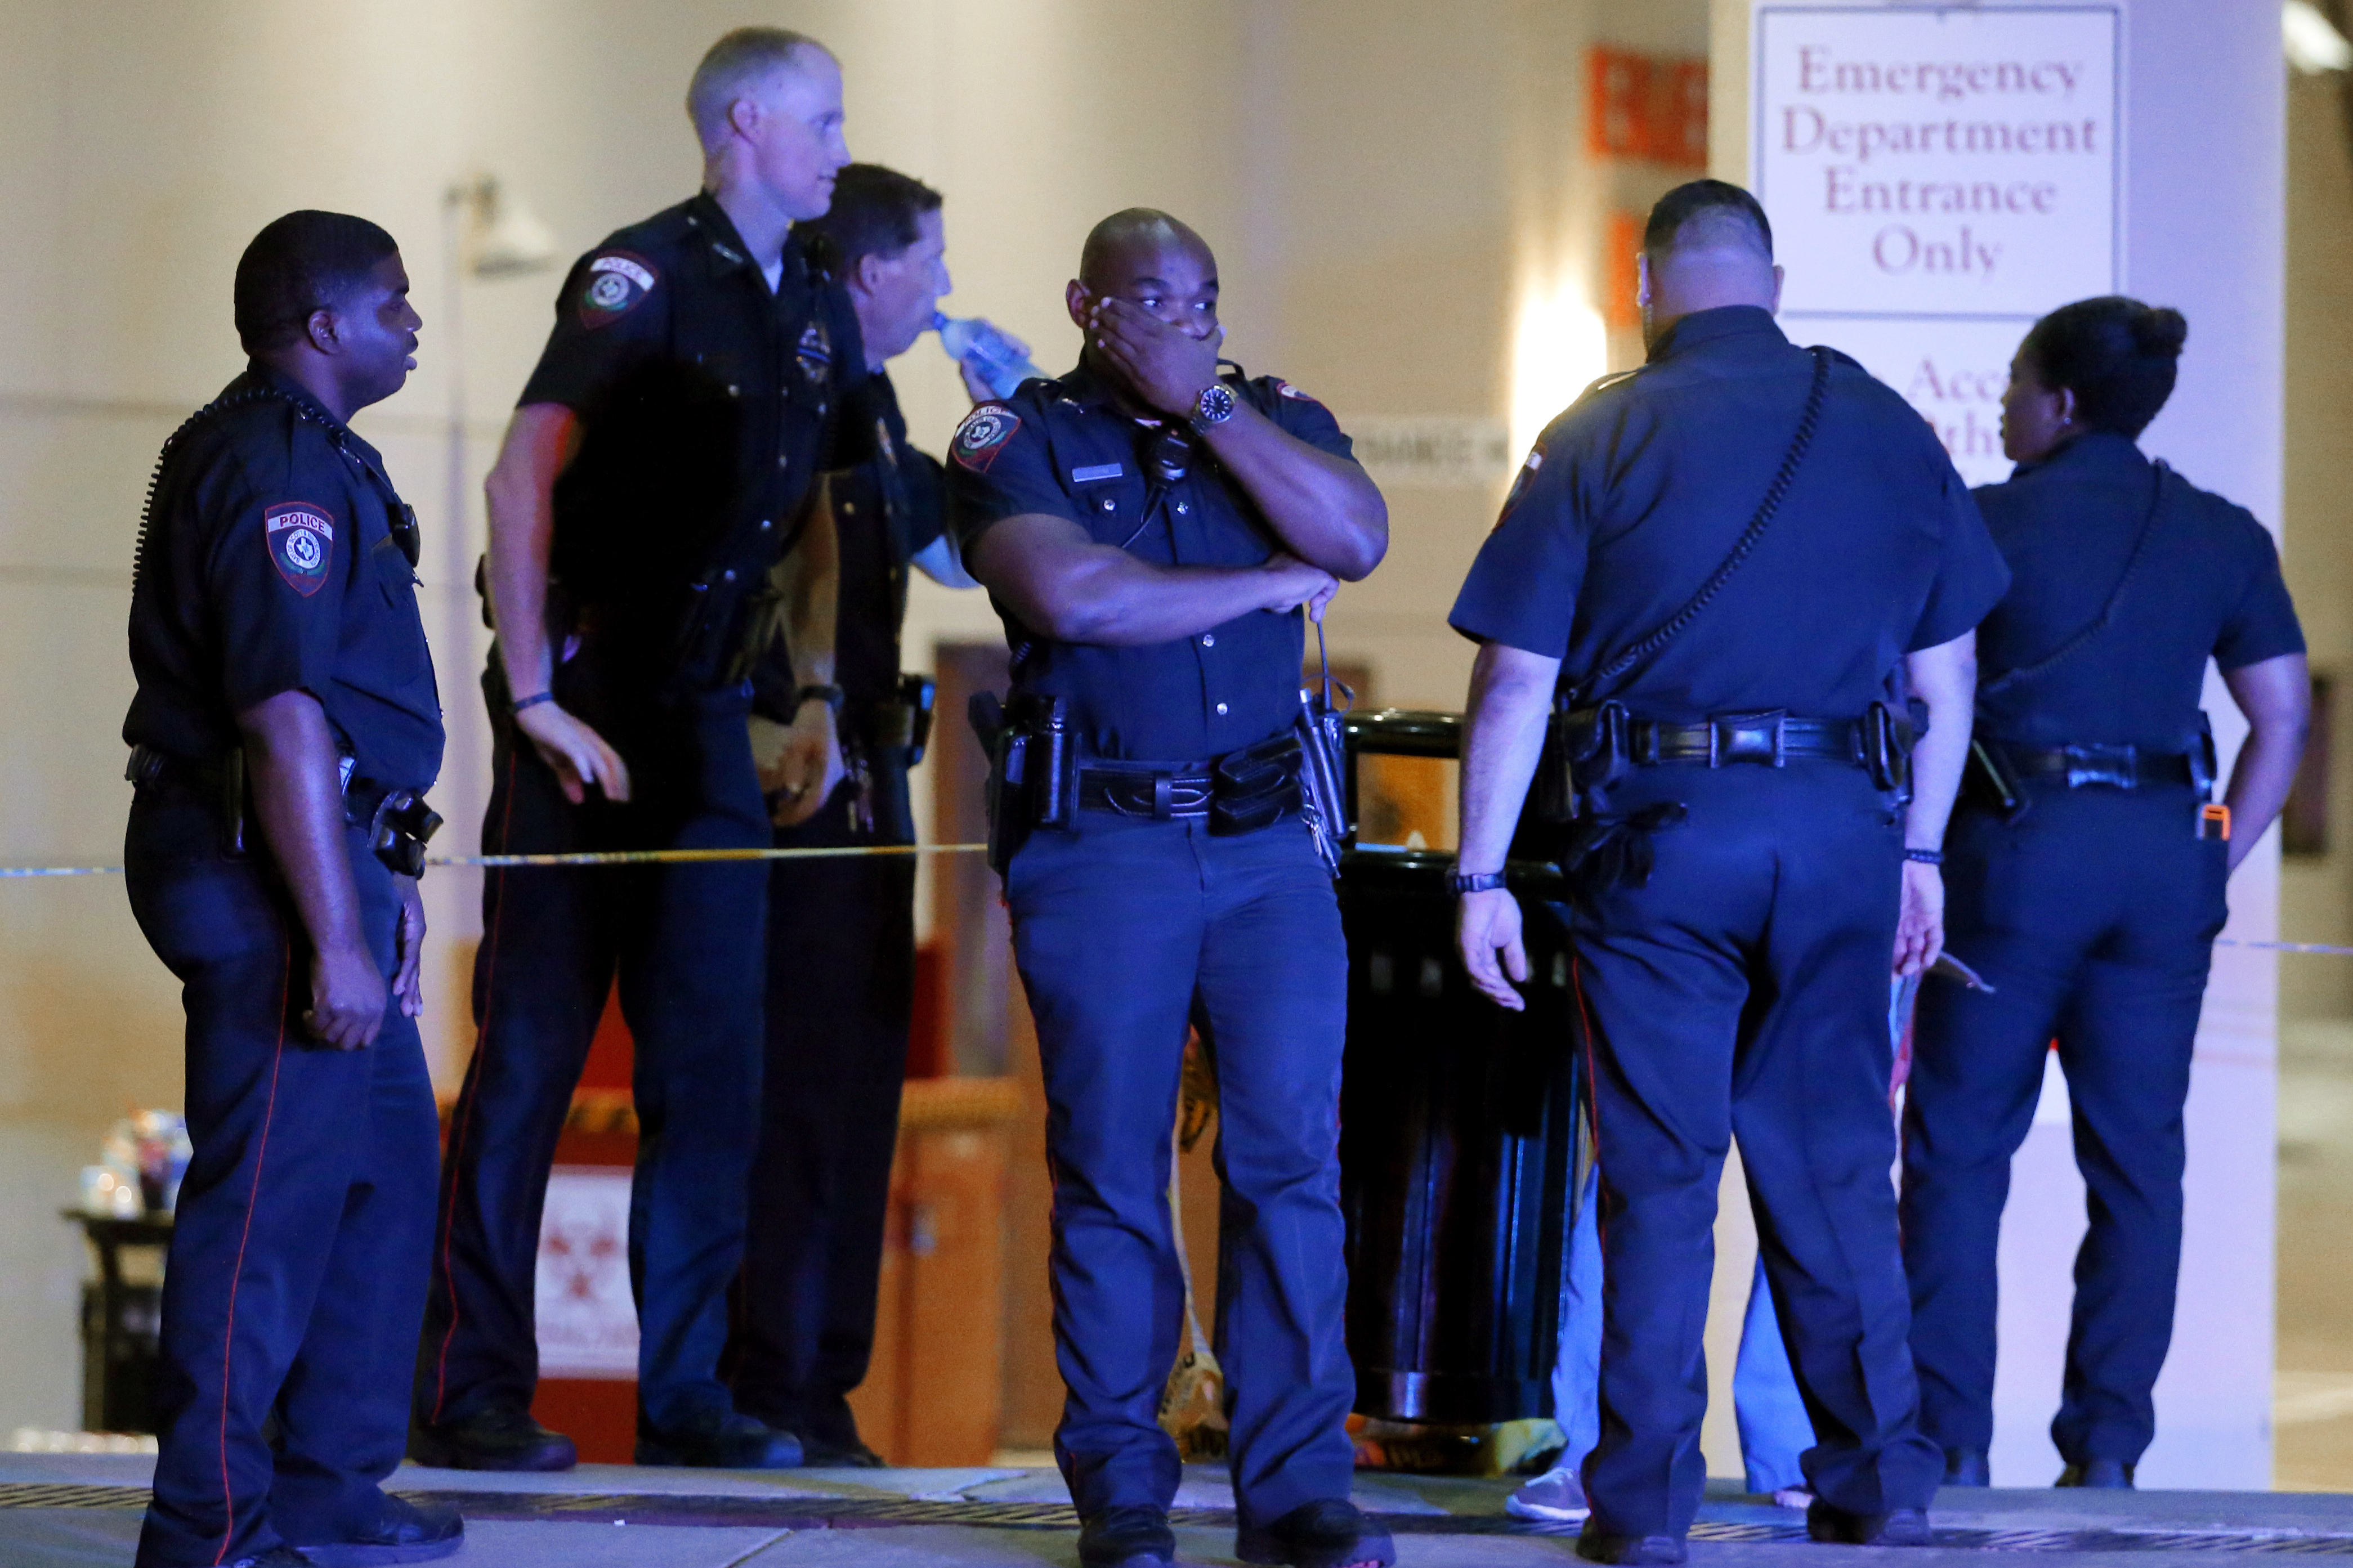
285, 730
1732, 563
665, 456
1148, 531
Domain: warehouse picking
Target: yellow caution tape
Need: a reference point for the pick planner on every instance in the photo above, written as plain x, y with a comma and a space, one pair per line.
602, 857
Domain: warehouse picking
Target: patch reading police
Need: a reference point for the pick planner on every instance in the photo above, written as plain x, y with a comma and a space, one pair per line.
301, 540
983, 435
617, 284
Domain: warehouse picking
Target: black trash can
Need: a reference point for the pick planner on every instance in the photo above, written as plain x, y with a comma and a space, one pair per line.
1458, 1136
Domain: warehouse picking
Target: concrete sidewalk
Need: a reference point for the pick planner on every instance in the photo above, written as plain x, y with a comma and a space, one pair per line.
72, 1509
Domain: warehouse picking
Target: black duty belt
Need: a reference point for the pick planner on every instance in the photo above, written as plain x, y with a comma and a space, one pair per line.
1159, 794
398, 821
2116, 767
1767, 740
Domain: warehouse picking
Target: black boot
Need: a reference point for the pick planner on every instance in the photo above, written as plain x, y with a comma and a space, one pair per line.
1967, 1468
1127, 1538
403, 1533
1329, 1535
1598, 1545
2103, 1474
503, 1437
730, 1442
1837, 1526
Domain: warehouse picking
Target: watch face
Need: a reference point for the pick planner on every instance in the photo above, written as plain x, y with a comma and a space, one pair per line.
1217, 405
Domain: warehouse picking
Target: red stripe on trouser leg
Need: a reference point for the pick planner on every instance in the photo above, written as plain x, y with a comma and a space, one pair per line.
228, 1335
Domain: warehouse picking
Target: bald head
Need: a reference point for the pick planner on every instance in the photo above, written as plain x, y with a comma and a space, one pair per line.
1137, 237
1707, 244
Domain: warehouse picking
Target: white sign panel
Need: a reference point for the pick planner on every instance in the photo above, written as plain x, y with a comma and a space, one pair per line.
1438, 451
588, 1319
1939, 161
1952, 372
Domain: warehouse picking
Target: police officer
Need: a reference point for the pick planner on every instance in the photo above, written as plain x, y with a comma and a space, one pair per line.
666, 454
285, 729
1146, 528
2086, 872
841, 933
1739, 865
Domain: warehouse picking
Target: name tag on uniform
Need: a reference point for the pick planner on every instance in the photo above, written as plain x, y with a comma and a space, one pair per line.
1099, 471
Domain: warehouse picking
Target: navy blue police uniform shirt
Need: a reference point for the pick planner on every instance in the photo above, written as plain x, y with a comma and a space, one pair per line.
272, 562
886, 510
708, 406
1064, 449
2208, 584
1633, 497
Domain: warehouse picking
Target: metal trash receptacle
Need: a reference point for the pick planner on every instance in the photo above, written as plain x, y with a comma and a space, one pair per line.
1457, 1135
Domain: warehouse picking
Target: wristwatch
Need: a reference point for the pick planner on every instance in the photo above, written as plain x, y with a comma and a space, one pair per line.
1214, 407
828, 695
1480, 882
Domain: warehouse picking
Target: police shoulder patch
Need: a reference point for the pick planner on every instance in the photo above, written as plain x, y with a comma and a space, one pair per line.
301, 538
983, 435
618, 284
1287, 390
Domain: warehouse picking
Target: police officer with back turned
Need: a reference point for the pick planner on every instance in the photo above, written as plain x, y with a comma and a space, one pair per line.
665, 457
2086, 869
1735, 566
285, 730
1147, 529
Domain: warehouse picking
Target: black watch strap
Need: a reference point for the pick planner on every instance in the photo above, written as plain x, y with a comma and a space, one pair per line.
1926, 857
828, 695
1483, 882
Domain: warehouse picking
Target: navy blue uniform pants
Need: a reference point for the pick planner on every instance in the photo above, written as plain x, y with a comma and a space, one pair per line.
1743, 992
841, 989
685, 941
2093, 920
1125, 931
297, 1267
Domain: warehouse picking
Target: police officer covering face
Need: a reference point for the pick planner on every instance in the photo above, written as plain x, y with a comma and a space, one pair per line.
1147, 531
841, 933
1730, 563
2087, 874
666, 454
285, 729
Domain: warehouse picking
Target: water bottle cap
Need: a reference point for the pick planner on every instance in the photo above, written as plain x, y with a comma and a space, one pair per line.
939, 320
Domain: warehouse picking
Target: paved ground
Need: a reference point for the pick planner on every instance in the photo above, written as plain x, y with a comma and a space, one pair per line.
57, 1511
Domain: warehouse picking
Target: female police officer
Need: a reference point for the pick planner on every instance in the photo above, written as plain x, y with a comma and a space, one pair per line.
2086, 871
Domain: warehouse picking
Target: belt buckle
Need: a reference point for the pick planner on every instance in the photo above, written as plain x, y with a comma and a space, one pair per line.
1760, 737
2116, 766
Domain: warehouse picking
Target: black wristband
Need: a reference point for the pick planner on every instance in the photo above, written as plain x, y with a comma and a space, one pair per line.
1926, 857
1482, 882
828, 695
531, 701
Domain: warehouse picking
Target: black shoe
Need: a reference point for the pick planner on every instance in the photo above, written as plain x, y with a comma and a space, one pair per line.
1898, 1526
731, 1442
1598, 1545
403, 1533
1967, 1468
1127, 1538
822, 1454
276, 1557
501, 1437
2103, 1474
1328, 1534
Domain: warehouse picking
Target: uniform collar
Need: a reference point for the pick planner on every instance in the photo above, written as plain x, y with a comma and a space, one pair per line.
1088, 390
2094, 452
1701, 329
725, 246
294, 392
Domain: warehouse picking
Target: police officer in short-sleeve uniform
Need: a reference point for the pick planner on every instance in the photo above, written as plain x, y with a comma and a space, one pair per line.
276, 578
707, 400
1150, 617
1737, 629
2087, 876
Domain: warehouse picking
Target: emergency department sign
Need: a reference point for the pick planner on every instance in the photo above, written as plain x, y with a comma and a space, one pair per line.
1937, 179
587, 1321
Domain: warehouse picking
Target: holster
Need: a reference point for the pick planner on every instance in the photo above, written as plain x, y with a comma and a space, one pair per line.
1607, 853
1256, 785
1323, 777
1032, 768
1586, 753
399, 828
1887, 742
2205, 767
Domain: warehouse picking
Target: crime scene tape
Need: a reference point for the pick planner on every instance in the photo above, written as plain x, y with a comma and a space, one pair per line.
594, 858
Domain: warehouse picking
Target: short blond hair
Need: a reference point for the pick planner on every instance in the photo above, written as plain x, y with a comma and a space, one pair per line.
738, 62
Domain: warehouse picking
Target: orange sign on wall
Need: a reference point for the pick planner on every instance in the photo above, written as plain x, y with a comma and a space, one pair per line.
1648, 108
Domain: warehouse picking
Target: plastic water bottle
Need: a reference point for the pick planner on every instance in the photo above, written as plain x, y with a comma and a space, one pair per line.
1000, 366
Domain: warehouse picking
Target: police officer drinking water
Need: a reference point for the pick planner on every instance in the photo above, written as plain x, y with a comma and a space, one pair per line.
1148, 529
285, 730
2086, 864
1735, 566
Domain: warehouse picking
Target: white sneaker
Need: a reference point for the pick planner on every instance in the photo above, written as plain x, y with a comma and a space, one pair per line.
1798, 1498
1555, 1495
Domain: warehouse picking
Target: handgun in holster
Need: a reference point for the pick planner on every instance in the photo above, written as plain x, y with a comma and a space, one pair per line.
399, 829
1032, 770
1887, 742
1585, 753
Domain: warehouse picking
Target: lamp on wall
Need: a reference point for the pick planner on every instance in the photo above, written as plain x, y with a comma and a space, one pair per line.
500, 237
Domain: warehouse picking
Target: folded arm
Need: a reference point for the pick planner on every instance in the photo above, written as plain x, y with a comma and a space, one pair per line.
1066, 586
